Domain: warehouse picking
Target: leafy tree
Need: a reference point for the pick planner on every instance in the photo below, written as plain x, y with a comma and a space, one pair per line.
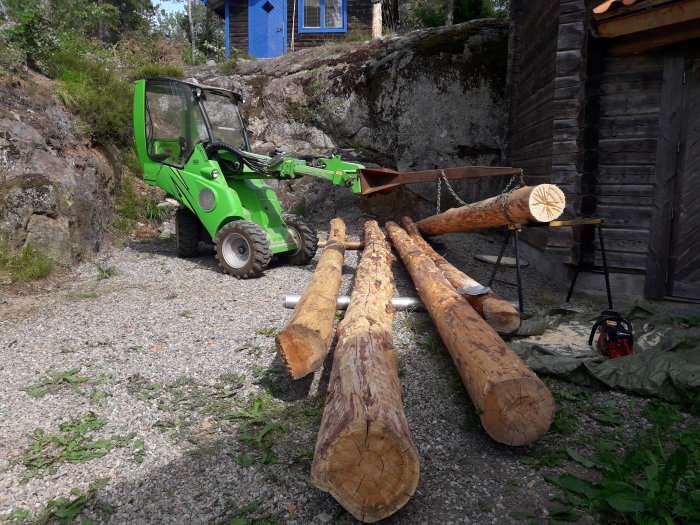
434, 13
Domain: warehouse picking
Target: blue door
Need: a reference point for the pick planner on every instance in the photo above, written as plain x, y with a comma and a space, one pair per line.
267, 28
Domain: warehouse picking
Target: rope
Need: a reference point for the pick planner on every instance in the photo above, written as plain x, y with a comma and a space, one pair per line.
515, 182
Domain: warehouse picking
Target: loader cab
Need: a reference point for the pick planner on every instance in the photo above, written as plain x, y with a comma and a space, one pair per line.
179, 115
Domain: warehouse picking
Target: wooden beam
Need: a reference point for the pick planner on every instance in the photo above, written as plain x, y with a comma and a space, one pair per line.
649, 19
515, 405
365, 455
664, 36
303, 342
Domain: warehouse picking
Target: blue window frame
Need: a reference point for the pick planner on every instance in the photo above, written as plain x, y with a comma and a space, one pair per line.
323, 16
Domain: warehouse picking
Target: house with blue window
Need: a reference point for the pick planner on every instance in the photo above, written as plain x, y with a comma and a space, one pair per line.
270, 28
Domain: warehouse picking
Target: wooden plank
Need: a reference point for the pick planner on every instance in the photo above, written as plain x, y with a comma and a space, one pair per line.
625, 215
643, 21
622, 260
666, 164
630, 103
627, 174
685, 272
655, 38
638, 126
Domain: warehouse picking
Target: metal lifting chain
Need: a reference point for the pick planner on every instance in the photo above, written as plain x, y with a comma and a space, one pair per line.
515, 182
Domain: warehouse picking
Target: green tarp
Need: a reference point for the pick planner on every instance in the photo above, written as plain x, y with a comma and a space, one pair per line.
666, 360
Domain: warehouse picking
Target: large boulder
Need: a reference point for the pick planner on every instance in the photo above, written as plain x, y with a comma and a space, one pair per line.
431, 98
56, 192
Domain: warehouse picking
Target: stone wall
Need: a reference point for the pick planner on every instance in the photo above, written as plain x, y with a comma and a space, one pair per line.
56, 193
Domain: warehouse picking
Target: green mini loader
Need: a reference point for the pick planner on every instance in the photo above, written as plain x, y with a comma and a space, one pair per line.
192, 143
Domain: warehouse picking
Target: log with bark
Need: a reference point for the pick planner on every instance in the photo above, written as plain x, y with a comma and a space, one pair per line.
542, 203
365, 455
498, 313
303, 342
515, 406
349, 245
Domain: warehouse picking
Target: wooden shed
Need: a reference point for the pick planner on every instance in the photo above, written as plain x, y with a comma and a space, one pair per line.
607, 106
270, 28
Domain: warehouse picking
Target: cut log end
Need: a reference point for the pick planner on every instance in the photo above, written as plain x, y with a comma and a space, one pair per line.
301, 349
370, 469
517, 412
500, 315
546, 202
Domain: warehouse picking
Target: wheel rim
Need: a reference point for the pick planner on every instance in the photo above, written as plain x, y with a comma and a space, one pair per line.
297, 239
236, 250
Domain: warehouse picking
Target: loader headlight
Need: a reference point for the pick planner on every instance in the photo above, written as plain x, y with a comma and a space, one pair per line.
214, 174
206, 199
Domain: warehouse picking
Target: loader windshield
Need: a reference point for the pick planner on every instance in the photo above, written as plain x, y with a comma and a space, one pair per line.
174, 122
225, 120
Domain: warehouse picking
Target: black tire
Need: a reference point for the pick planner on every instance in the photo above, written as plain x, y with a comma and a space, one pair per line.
242, 249
186, 233
306, 238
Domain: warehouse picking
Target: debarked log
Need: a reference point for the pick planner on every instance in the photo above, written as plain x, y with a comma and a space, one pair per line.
365, 455
498, 313
303, 342
515, 406
542, 203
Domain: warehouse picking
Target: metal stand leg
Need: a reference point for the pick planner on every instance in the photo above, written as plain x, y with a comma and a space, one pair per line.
605, 267
498, 261
517, 271
573, 279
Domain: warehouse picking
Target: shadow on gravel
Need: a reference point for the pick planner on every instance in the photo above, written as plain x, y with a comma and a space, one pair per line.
279, 384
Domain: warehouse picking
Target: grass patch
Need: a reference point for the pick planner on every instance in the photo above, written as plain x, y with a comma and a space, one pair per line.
652, 476
24, 265
55, 381
157, 70
133, 206
355, 35
105, 273
73, 443
65, 510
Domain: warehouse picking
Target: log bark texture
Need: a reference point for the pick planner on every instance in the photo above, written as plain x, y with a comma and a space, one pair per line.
542, 203
515, 406
303, 342
349, 245
365, 455
496, 311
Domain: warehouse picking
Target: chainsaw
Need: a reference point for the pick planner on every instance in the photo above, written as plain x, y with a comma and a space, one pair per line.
615, 339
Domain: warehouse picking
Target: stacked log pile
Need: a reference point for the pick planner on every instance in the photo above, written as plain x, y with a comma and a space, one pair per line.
365, 455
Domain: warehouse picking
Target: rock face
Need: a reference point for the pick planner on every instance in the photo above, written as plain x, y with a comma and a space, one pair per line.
432, 98
56, 193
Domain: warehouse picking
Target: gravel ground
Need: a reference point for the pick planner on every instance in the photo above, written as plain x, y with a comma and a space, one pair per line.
183, 357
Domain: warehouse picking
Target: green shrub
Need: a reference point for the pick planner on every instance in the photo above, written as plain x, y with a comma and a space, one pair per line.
25, 265
230, 65
157, 70
89, 89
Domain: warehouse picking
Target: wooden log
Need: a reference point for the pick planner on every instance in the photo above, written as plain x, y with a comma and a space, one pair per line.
541, 203
515, 406
348, 245
498, 313
365, 455
303, 342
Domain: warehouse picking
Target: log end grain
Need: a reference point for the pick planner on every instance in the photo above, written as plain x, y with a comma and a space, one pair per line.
500, 315
369, 469
518, 411
546, 202
301, 349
